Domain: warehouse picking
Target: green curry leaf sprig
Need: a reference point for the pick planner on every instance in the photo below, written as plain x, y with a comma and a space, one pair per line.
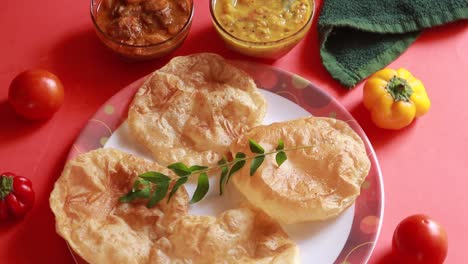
154, 186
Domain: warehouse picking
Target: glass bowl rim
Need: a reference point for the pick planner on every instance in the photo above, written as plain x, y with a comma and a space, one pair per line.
262, 43
96, 26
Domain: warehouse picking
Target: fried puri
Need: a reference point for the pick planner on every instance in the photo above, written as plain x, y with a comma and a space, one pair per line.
193, 108
242, 235
314, 183
89, 216
99, 228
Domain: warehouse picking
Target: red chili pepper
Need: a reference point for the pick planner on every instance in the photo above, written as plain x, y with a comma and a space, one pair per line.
16, 195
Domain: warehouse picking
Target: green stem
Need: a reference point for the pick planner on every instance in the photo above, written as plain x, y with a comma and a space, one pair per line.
399, 89
6, 185
135, 193
243, 159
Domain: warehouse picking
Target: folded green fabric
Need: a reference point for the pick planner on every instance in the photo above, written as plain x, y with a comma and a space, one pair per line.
359, 37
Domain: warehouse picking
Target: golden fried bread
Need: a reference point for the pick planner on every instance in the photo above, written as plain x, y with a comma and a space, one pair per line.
88, 214
314, 183
191, 109
240, 235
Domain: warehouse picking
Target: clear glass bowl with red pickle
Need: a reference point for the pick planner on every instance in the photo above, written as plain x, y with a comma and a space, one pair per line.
142, 29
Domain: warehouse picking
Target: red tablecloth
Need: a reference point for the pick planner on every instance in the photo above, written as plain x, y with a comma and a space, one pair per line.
425, 167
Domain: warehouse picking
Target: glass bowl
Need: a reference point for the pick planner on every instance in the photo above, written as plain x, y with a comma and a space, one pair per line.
266, 49
141, 52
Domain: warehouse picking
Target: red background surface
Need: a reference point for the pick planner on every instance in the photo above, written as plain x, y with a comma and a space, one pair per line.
425, 166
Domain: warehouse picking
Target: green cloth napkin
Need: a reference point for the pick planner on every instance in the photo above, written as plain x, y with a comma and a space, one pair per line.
359, 37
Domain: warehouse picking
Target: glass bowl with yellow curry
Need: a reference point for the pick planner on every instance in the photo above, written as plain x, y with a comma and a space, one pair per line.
262, 28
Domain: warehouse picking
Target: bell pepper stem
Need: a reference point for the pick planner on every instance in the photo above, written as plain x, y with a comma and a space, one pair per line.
6, 186
399, 89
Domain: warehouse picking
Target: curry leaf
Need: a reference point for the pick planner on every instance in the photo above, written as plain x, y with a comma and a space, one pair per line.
196, 168
138, 183
202, 188
223, 177
255, 147
143, 193
180, 169
178, 183
158, 194
127, 198
133, 195
280, 158
256, 162
240, 155
280, 145
155, 177
240, 162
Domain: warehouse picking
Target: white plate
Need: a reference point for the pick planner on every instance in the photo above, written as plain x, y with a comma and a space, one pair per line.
349, 238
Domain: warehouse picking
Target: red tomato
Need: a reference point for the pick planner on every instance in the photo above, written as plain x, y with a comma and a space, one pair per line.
36, 94
419, 239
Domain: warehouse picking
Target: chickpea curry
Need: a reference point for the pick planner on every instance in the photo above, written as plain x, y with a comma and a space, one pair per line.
142, 22
262, 20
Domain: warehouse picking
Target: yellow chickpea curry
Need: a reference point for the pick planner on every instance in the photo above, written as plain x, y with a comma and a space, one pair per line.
142, 22
262, 20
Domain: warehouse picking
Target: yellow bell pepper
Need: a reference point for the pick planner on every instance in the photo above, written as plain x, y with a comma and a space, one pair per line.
395, 98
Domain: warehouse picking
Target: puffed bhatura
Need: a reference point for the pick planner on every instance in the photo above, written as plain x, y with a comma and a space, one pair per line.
99, 228
193, 108
240, 235
314, 183
89, 216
